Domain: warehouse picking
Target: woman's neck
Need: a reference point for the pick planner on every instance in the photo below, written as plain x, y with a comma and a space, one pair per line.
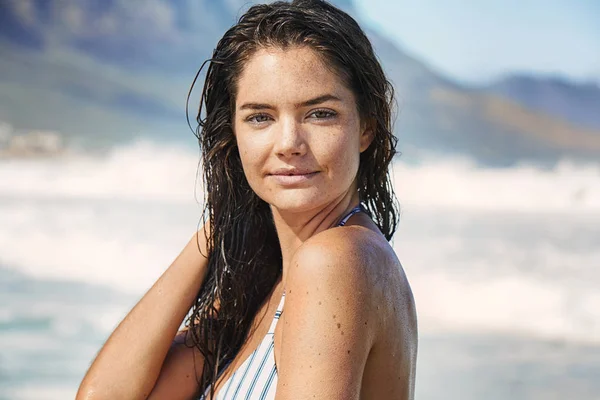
293, 229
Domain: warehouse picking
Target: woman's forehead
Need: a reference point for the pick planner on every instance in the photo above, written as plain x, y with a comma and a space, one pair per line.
292, 74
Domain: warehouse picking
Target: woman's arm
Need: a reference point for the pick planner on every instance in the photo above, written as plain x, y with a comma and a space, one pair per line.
332, 318
129, 364
178, 376
329, 325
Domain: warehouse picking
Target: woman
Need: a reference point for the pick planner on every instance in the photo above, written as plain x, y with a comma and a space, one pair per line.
296, 141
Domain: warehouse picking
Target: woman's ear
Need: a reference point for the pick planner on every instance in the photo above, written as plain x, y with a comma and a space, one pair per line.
367, 134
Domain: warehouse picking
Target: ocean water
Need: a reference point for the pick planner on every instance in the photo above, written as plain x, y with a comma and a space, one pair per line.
504, 266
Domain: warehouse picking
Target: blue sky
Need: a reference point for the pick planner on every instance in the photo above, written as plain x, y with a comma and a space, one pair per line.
475, 40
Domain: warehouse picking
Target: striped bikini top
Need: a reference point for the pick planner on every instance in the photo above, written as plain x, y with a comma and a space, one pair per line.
256, 378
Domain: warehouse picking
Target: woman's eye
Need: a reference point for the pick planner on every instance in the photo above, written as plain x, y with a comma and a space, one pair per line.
323, 114
257, 118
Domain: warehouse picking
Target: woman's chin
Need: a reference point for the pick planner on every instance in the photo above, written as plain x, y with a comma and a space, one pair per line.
296, 202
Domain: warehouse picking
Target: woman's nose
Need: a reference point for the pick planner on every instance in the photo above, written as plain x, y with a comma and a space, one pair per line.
289, 140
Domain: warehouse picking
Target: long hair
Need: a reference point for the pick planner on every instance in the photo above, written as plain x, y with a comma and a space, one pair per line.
244, 255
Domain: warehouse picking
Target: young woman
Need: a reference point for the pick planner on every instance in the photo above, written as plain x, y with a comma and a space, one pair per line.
291, 288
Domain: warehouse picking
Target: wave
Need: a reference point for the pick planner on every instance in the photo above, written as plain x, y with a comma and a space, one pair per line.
153, 172
516, 254
514, 305
143, 170
459, 183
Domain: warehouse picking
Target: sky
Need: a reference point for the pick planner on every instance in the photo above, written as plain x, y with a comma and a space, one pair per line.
477, 40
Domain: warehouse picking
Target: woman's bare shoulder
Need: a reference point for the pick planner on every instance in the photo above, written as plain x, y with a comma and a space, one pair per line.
354, 248
358, 264
351, 259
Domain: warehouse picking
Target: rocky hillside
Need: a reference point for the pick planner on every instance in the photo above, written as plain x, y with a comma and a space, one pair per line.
104, 72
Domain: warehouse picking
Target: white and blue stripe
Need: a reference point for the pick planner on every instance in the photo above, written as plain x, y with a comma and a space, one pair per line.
256, 378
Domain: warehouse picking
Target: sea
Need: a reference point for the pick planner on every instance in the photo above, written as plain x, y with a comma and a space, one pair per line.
504, 264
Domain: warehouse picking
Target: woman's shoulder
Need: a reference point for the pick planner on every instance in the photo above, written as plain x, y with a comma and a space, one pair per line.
349, 248
357, 266
351, 259
332, 317
350, 277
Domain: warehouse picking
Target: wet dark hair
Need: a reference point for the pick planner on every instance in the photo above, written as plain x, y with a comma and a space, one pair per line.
245, 260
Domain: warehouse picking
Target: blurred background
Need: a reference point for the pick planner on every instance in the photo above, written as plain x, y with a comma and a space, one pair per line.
499, 181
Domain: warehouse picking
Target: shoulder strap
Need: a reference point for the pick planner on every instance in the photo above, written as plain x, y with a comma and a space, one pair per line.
350, 213
277, 314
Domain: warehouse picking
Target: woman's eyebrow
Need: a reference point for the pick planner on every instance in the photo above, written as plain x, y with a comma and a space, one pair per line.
311, 102
318, 100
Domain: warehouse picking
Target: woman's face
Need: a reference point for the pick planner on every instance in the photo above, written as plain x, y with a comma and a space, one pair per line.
298, 130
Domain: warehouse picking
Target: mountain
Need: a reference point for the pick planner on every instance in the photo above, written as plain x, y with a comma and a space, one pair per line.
438, 114
578, 103
104, 72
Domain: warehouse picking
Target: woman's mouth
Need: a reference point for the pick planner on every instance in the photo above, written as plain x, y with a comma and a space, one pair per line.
292, 178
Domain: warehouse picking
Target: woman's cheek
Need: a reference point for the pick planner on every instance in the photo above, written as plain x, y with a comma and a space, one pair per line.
252, 165
341, 153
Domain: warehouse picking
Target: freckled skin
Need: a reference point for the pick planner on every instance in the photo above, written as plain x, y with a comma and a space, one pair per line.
292, 136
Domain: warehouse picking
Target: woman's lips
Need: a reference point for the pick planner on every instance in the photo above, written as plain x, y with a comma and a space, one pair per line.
293, 179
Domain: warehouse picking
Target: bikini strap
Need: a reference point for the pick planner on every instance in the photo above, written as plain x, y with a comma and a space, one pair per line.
277, 315
350, 213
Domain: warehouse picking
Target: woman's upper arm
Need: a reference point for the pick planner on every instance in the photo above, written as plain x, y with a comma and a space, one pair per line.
328, 326
178, 377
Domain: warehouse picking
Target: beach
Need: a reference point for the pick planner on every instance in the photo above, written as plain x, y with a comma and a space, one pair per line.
505, 281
